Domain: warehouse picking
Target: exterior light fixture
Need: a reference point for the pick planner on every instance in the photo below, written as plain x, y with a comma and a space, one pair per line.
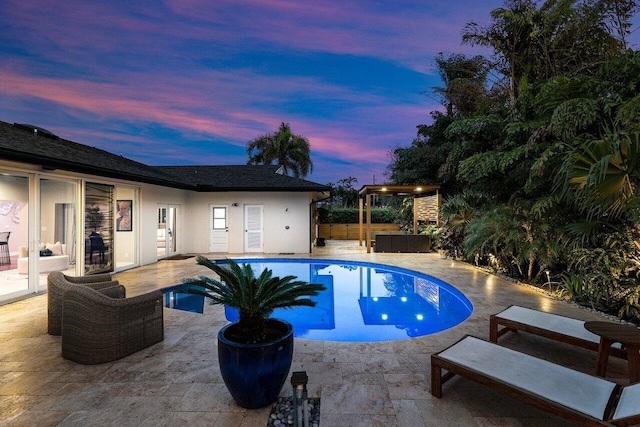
419, 316
418, 188
548, 278
384, 317
299, 381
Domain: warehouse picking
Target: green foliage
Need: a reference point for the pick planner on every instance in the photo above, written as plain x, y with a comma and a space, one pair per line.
465, 83
572, 116
255, 297
579, 288
431, 230
351, 215
606, 273
420, 163
480, 127
489, 164
601, 176
343, 194
553, 148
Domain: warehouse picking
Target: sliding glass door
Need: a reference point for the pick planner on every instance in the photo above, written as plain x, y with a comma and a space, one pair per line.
57, 243
14, 235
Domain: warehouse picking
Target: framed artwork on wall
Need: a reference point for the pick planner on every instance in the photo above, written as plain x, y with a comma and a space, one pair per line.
124, 209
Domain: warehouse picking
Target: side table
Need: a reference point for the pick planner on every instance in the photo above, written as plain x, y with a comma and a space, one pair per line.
611, 332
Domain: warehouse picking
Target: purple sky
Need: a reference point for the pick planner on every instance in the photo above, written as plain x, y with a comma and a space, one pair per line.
185, 82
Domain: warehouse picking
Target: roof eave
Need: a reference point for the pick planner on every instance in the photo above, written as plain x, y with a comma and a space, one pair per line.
56, 164
221, 189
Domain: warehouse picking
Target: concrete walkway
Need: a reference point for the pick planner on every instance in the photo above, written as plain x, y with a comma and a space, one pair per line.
177, 382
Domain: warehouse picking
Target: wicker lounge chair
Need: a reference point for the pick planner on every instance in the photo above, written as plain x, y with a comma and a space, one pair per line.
58, 284
98, 329
548, 325
575, 396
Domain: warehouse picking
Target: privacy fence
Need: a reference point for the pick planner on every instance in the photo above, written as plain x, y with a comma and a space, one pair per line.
351, 231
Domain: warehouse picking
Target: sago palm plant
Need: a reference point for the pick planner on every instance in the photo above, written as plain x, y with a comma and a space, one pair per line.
255, 297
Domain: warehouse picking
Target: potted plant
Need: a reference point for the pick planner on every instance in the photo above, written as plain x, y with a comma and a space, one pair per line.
254, 353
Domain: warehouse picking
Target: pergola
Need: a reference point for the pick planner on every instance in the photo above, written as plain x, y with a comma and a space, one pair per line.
367, 191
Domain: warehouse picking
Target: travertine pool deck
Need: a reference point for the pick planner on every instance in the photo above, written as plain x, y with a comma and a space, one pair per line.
178, 383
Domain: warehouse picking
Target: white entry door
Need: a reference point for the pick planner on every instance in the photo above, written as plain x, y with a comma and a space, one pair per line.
218, 240
253, 228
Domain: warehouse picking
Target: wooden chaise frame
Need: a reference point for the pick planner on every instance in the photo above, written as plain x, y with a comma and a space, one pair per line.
514, 388
512, 325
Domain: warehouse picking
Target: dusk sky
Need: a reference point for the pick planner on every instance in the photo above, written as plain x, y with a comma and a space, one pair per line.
189, 82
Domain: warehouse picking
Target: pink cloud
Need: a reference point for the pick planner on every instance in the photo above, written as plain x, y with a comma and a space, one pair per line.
404, 32
128, 64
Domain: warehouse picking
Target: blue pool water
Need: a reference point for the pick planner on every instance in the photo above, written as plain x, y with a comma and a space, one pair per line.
363, 301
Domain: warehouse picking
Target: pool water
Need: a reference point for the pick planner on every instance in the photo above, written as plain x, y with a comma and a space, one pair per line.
363, 301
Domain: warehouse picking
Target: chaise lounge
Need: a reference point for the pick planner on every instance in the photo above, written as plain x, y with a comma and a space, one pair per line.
548, 325
575, 396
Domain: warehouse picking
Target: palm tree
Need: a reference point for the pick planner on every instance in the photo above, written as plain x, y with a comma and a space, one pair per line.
283, 148
603, 175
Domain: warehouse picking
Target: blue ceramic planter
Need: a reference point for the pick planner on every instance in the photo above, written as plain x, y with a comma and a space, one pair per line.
255, 373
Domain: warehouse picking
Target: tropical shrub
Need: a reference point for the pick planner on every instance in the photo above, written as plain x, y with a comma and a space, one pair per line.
254, 296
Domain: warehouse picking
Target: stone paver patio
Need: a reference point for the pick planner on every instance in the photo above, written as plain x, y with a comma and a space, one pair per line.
177, 382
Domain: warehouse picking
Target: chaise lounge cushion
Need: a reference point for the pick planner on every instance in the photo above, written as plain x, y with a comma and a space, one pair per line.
576, 390
575, 396
549, 325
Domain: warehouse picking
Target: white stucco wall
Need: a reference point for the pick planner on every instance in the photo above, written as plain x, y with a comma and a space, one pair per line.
286, 217
194, 220
280, 210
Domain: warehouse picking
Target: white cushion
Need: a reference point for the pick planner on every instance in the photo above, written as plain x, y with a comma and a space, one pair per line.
628, 404
550, 322
576, 390
56, 248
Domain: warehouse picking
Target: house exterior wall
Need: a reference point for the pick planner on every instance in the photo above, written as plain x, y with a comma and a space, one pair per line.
286, 216
281, 209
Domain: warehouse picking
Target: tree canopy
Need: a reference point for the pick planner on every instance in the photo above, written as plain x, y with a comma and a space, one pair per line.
538, 147
283, 148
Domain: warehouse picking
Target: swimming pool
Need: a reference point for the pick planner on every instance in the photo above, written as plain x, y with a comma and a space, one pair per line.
363, 301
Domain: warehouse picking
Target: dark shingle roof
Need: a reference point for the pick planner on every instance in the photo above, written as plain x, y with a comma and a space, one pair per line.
19, 143
241, 178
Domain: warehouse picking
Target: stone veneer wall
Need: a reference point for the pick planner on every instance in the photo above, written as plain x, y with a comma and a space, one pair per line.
427, 208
